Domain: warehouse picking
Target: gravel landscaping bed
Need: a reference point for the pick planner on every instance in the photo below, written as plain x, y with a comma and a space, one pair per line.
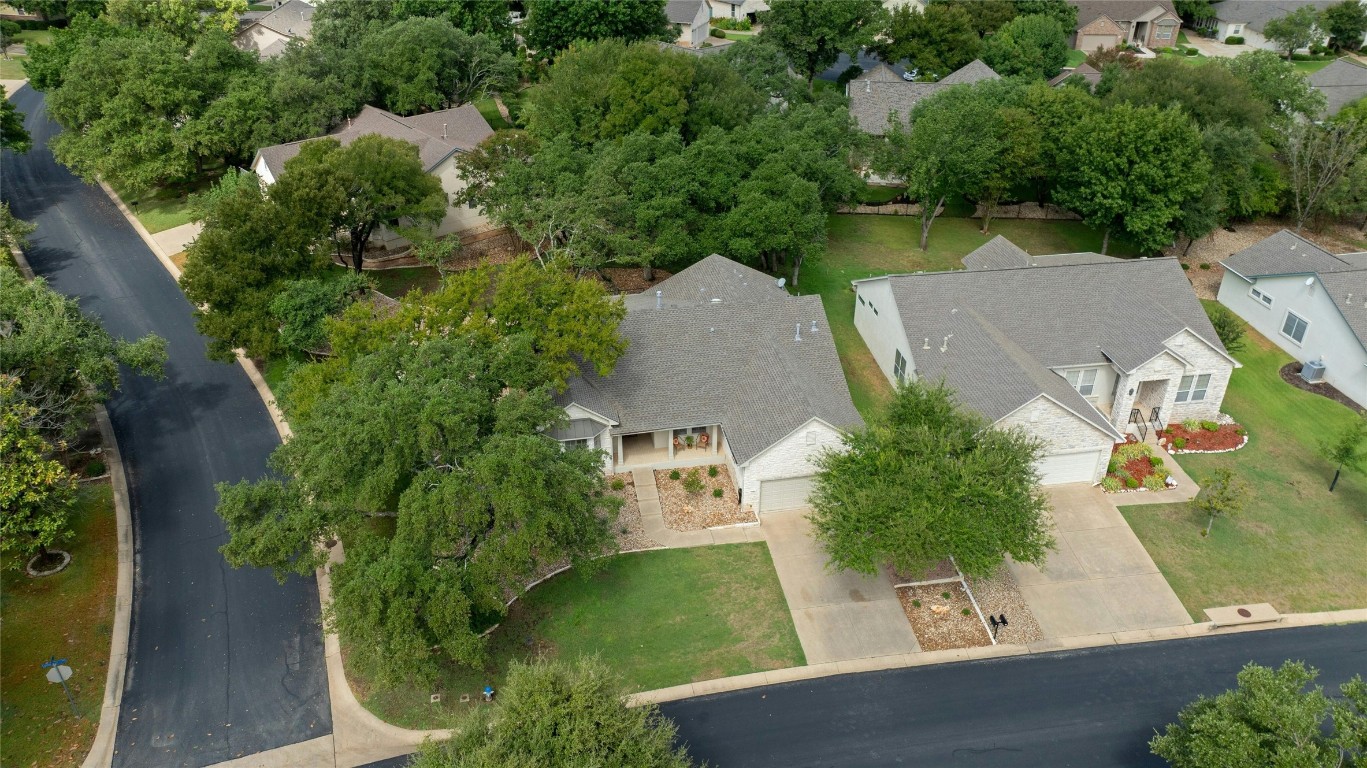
998, 594
631, 535
1220, 245
684, 511
941, 624
942, 570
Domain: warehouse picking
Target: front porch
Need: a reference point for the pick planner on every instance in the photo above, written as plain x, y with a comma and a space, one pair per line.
668, 448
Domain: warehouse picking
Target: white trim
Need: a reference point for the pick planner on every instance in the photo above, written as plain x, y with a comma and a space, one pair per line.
600, 417
1282, 328
1204, 340
797, 429
1264, 299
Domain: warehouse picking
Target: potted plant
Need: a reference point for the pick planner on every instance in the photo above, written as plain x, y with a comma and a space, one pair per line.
688, 440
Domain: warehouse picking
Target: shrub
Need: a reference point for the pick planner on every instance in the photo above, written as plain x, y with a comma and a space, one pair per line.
674, 474
1155, 483
1112, 467
617, 484
1186, 266
1241, 432
1204, 265
915, 603
1210, 426
1190, 52
712, 471
692, 482
1234, 40
1131, 451
1131, 483
1110, 484
1179, 443
1155, 462
1123, 474
1228, 327
94, 469
966, 612
717, 32
1191, 425
944, 595
717, 493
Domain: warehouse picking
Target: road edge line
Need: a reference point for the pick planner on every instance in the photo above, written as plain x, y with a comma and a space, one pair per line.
101, 752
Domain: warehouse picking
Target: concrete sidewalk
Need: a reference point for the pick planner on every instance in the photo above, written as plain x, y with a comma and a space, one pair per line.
652, 519
177, 239
1186, 489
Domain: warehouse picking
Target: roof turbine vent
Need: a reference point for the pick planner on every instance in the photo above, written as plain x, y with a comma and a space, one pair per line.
659, 299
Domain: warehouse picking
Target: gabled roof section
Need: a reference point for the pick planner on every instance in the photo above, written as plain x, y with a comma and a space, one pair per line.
1000, 253
879, 92
292, 19
437, 135
1120, 11
1348, 291
1084, 70
1287, 253
735, 362
1256, 13
682, 11
1343, 82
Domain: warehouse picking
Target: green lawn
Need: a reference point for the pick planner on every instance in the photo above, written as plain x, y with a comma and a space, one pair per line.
865, 246
874, 194
13, 68
1311, 67
166, 207
70, 615
658, 618
1296, 546
1076, 57
489, 110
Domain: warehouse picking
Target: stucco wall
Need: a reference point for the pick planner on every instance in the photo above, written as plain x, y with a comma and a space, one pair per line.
458, 216
790, 457
1327, 337
1061, 430
882, 331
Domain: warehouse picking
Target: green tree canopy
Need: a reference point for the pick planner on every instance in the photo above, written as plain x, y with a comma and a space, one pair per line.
1271, 718
988, 15
1277, 84
1062, 11
13, 134
1208, 95
184, 19
1294, 31
558, 713
936, 41
36, 491
1345, 23
423, 64
928, 479
553, 24
813, 33
1347, 449
765, 68
1031, 46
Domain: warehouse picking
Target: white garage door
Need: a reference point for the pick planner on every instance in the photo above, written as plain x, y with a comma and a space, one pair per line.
788, 493
1068, 467
1091, 42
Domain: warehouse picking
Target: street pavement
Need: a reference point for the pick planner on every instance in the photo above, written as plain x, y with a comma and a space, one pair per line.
223, 662
1093, 708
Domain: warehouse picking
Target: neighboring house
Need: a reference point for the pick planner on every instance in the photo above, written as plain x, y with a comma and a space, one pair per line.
1076, 349
881, 95
1109, 23
737, 9
1246, 18
690, 17
269, 33
1308, 301
719, 351
439, 137
1343, 82
1084, 70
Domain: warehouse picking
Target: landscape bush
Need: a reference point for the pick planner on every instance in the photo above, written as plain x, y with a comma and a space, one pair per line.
1234, 40
712, 471
1155, 483
1179, 443
618, 484
717, 493
692, 482
1110, 484
674, 474
1210, 426
1131, 483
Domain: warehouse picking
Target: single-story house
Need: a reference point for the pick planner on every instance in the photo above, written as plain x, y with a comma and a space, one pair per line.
269, 33
1109, 23
1309, 302
736, 9
691, 18
439, 136
1343, 82
1246, 19
1086, 71
1076, 349
723, 366
880, 95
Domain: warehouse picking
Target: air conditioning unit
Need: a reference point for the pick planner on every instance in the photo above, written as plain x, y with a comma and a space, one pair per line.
1313, 371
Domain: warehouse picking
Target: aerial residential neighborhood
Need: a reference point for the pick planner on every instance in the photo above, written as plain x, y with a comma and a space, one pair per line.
683, 382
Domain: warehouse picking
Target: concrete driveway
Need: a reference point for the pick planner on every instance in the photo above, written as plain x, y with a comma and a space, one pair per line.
1100, 579
839, 615
1215, 48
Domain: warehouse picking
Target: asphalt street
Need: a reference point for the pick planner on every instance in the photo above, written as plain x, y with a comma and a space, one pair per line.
1092, 709
222, 662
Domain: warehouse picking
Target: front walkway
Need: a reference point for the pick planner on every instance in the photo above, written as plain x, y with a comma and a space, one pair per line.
1186, 489
839, 615
1100, 579
653, 521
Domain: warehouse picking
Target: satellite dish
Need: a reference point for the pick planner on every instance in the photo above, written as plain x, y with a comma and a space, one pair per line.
782, 281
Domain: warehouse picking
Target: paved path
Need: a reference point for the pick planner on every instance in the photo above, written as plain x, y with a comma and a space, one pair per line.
839, 615
1095, 708
177, 239
222, 662
1186, 489
1100, 579
652, 519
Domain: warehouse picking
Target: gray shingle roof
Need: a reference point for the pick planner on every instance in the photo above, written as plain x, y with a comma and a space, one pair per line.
293, 19
1340, 286
1117, 10
1342, 82
1287, 253
1000, 253
682, 11
1084, 70
436, 134
879, 92
1256, 13
1008, 327
735, 361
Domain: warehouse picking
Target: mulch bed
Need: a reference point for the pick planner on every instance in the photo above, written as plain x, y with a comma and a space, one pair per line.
628, 279
631, 535
999, 594
942, 570
1138, 468
684, 511
1291, 374
939, 623
1226, 438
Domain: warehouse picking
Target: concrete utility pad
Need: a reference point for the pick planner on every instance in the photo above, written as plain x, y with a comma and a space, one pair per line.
1100, 579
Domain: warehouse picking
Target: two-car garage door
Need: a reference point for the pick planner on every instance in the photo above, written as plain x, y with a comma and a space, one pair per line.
1061, 468
787, 493
1090, 43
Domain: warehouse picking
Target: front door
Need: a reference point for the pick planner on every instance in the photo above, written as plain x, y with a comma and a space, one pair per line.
1151, 395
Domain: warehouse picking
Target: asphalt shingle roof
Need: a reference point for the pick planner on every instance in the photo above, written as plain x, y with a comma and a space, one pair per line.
1342, 82
1117, 10
879, 92
436, 134
293, 19
682, 11
1007, 328
1000, 253
1348, 290
1344, 275
1256, 13
721, 349
1084, 70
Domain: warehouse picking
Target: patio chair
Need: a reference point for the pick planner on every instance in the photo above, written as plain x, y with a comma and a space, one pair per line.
702, 440
678, 444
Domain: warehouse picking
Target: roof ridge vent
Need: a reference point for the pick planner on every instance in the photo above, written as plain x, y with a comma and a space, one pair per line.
798, 335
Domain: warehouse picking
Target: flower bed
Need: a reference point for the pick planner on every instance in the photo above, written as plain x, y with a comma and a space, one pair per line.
689, 500
1203, 437
941, 623
1133, 467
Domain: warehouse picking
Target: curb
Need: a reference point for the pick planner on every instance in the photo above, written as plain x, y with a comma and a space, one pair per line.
925, 658
102, 749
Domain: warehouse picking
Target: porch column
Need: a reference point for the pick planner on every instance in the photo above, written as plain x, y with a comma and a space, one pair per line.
670, 444
618, 458
713, 437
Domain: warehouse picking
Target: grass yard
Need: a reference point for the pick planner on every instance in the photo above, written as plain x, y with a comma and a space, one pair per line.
166, 207
865, 246
489, 110
1296, 546
1311, 67
658, 618
70, 615
874, 194
398, 282
1076, 57
13, 68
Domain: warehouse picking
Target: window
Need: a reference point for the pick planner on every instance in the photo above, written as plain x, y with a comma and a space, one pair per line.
1083, 381
1165, 31
1236, 29
570, 444
899, 366
861, 300
1260, 296
1193, 388
1294, 327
